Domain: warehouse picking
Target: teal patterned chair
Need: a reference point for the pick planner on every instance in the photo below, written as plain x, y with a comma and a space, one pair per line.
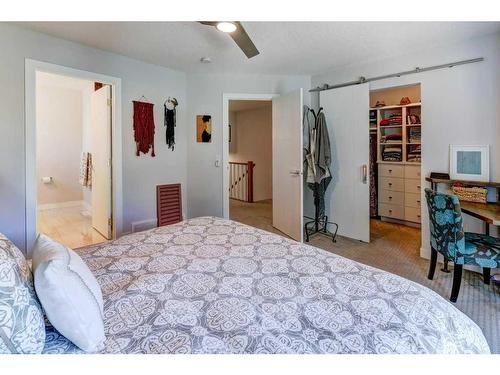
448, 238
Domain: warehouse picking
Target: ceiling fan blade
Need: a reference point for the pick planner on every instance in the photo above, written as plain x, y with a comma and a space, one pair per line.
243, 41
209, 23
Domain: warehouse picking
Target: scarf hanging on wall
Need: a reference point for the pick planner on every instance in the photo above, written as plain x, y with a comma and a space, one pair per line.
170, 114
144, 128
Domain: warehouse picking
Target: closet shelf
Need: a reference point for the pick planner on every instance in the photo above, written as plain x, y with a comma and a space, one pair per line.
398, 162
411, 125
390, 126
397, 106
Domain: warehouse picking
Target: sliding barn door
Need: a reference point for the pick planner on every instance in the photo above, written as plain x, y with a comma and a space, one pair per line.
287, 164
100, 137
346, 111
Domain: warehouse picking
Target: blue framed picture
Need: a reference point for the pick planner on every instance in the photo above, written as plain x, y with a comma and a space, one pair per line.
470, 163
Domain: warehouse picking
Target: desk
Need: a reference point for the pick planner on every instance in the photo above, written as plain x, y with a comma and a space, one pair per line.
487, 212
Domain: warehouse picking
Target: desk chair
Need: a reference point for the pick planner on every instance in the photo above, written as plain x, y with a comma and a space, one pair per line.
449, 239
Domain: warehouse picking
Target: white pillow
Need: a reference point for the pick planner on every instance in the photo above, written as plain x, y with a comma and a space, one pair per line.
69, 294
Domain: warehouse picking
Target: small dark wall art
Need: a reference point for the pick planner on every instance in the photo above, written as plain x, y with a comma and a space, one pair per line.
204, 129
144, 127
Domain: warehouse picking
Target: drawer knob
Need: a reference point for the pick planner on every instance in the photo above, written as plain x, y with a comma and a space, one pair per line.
418, 200
418, 186
390, 170
390, 183
390, 211
418, 216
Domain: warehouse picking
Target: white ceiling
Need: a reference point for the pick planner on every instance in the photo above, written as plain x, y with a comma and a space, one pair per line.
285, 47
243, 105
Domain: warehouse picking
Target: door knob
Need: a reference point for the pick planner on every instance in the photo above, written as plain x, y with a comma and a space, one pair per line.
295, 172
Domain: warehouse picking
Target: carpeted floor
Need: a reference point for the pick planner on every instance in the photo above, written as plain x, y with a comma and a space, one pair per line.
396, 249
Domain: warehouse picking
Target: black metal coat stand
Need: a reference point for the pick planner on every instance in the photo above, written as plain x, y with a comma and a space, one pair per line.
319, 224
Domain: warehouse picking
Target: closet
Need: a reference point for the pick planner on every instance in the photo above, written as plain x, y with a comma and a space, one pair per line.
395, 125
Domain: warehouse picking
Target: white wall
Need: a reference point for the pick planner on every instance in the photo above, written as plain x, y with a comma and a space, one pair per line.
205, 97
140, 174
59, 137
459, 105
252, 140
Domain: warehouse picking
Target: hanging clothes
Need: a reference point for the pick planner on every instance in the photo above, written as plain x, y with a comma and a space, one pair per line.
170, 119
144, 128
373, 175
318, 160
323, 154
86, 169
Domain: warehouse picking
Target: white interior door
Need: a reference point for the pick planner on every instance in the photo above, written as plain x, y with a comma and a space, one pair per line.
287, 164
100, 138
347, 199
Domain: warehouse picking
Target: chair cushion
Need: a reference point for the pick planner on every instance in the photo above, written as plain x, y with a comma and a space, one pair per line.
22, 328
69, 293
481, 250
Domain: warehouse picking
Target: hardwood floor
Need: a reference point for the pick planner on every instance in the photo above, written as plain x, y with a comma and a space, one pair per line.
396, 249
69, 226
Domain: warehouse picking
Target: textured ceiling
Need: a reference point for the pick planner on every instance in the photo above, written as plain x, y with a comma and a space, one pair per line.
285, 47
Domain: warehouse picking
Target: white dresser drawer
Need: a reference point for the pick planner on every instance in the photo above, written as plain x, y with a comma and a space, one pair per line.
412, 200
412, 214
412, 171
391, 183
393, 197
391, 210
412, 186
390, 170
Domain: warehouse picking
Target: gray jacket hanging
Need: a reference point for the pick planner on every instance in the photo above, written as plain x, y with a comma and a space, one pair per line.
322, 151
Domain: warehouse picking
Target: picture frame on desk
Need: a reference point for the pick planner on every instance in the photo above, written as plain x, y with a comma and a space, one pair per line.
470, 163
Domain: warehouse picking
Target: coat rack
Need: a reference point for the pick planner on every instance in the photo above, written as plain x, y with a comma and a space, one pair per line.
318, 224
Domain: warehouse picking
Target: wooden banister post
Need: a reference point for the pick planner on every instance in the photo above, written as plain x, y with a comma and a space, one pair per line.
250, 166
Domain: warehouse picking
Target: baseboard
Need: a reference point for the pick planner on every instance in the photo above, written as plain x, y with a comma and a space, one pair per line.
51, 206
139, 226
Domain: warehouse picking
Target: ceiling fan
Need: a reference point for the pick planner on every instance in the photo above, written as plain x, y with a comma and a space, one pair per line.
237, 33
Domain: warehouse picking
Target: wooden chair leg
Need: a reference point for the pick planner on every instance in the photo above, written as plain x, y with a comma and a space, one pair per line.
457, 279
432, 265
486, 275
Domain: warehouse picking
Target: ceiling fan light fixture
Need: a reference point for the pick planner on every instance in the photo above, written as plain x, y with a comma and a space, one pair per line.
226, 27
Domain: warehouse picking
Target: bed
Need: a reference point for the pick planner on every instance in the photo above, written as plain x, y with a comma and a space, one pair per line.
209, 285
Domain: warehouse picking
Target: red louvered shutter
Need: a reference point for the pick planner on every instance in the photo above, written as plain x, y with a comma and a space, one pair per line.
168, 204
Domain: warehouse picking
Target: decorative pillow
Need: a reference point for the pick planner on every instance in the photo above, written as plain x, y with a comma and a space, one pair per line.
22, 328
69, 294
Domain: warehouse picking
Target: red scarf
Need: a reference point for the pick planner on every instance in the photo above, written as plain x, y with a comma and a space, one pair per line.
144, 127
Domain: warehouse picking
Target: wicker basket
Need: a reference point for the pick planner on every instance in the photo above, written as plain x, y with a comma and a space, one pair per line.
470, 194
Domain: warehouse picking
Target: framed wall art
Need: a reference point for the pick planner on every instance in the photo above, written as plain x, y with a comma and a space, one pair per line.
470, 163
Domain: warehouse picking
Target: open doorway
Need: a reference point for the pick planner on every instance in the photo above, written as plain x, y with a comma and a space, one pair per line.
251, 163
286, 165
73, 159
395, 126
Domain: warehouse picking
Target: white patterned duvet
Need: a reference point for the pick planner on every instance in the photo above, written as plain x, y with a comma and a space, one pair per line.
209, 285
